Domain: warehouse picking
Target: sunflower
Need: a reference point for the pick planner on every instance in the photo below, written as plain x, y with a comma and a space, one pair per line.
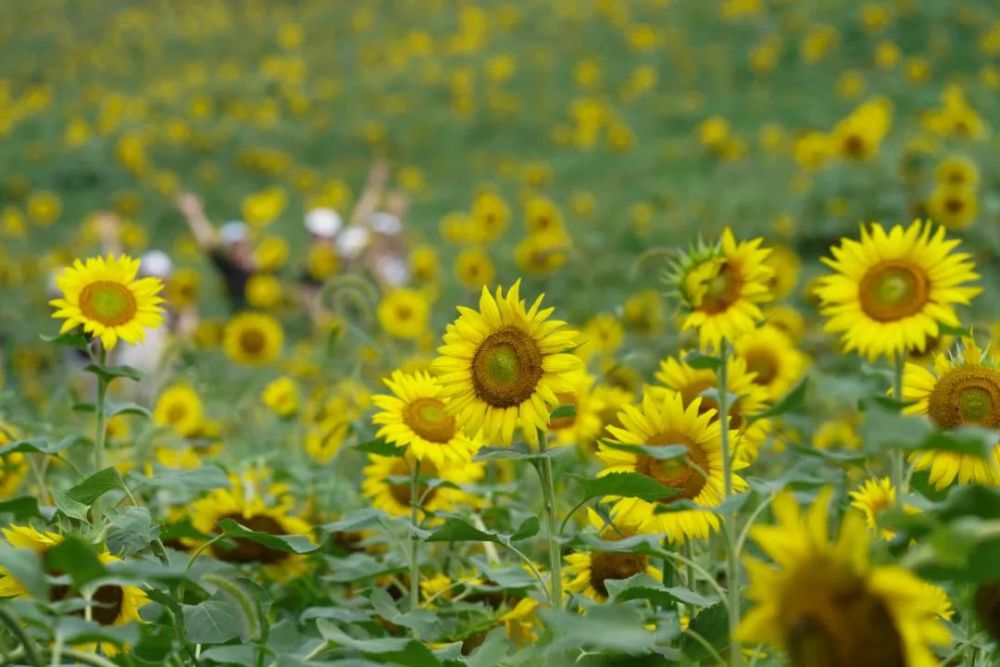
891, 291
103, 295
13, 467
773, 360
785, 267
253, 339
404, 313
874, 496
964, 389
721, 287
282, 397
822, 603
260, 505
602, 335
585, 425
664, 419
179, 408
503, 366
324, 439
112, 604
416, 417
588, 573
786, 319
679, 376
474, 268
387, 484
954, 206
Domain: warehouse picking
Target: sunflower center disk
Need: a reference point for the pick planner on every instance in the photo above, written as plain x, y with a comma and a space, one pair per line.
109, 303
686, 476
252, 341
611, 565
106, 603
722, 290
832, 620
428, 419
506, 368
966, 395
893, 290
764, 365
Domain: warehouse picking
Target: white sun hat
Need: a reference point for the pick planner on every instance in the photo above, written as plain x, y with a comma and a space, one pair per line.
352, 241
233, 231
323, 222
156, 264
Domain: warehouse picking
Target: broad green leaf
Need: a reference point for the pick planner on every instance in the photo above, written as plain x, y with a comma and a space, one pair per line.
332, 633
214, 621
76, 558
74, 338
355, 520
600, 627
380, 447
625, 485
42, 446
969, 440
517, 452
792, 402
115, 409
702, 361
205, 478
713, 625
564, 412
658, 452
528, 528
21, 508
26, 566
459, 530
95, 486
109, 373
299, 544
70, 507
131, 530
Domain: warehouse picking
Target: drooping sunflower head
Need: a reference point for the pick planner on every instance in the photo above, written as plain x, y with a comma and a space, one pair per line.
721, 286
253, 339
891, 291
664, 419
103, 295
962, 389
502, 366
416, 417
823, 604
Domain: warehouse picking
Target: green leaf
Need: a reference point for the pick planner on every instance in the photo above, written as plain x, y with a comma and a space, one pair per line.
21, 508
702, 361
76, 558
564, 412
113, 410
608, 627
205, 478
84, 407
626, 485
332, 633
528, 528
109, 373
356, 520
214, 621
299, 544
70, 507
380, 447
74, 338
491, 652
969, 440
26, 566
884, 429
713, 625
517, 452
458, 530
42, 446
658, 452
131, 530
792, 402
95, 486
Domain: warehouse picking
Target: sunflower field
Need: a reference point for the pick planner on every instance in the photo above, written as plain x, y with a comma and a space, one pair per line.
474, 333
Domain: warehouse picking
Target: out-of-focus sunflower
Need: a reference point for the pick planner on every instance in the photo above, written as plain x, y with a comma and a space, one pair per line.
892, 291
324, 439
873, 496
260, 505
786, 319
282, 397
404, 313
416, 417
503, 365
13, 467
263, 291
180, 408
602, 334
542, 253
964, 389
589, 572
772, 358
182, 288
953, 206
253, 339
642, 313
721, 288
104, 297
679, 376
387, 482
585, 425
474, 268
785, 266
664, 419
823, 603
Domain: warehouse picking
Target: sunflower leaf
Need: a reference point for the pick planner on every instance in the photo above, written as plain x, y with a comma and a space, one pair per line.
76, 558
702, 361
792, 402
42, 446
658, 452
299, 544
95, 486
109, 373
25, 566
214, 621
969, 440
75, 339
113, 410
626, 485
564, 412
380, 447
21, 508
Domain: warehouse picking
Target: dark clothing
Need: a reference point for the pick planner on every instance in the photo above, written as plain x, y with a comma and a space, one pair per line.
234, 276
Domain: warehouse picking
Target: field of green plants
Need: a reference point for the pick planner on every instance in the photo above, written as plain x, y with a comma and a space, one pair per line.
476, 333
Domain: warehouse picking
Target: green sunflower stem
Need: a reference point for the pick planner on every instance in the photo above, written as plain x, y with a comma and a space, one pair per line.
551, 523
414, 538
102, 422
898, 460
729, 514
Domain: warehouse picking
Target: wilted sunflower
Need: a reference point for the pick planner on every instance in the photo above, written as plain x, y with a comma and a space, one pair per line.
112, 604
679, 376
773, 360
387, 484
253, 339
416, 417
260, 505
664, 419
721, 286
823, 604
179, 407
964, 389
892, 291
503, 366
589, 572
103, 295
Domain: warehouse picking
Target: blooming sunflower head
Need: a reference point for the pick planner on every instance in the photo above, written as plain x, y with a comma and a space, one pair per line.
415, 416
664, 419
720, 287
961, 389
253, 339
892, 290
823, 603
179, 408
103, 295
502, 366
589, 572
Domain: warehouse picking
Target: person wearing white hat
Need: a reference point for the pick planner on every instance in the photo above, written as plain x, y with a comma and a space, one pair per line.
228, 247
323, 223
